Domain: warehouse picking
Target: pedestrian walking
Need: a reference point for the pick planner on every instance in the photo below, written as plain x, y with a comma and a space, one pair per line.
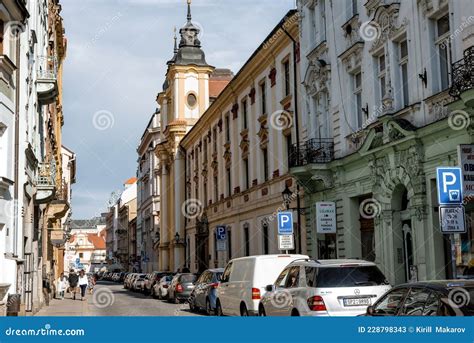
83, 282
73, 281
61, 284
91, 282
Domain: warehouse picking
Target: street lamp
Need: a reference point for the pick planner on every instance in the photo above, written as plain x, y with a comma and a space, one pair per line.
286, 194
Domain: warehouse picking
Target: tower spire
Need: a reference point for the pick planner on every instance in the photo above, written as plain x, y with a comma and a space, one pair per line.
189, 11
175, 41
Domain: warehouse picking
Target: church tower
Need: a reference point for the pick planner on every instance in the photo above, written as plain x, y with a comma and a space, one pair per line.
184, 98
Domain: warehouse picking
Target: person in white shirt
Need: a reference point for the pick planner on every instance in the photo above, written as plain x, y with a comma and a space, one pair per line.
83, 282
61, 285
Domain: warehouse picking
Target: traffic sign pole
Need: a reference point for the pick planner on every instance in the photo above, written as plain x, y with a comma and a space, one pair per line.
449, 182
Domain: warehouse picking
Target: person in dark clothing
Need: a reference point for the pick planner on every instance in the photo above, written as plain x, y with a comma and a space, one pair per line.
73, 281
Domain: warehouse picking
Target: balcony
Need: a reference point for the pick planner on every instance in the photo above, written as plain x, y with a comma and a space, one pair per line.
308, 163
313, 151
463, 78
46, 182
46, 80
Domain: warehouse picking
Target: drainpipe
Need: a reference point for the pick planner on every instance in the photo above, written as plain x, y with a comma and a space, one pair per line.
17, 142
295, 101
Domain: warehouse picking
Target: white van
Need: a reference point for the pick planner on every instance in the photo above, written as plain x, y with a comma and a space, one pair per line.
244, 280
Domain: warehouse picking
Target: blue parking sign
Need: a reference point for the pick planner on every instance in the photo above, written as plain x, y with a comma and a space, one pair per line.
221, 233
449, 182
285, 223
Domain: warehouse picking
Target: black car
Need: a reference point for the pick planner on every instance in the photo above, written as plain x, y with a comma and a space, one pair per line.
204, 294
429, 298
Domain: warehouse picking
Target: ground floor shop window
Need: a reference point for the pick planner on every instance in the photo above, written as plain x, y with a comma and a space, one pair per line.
464, 247
327, 246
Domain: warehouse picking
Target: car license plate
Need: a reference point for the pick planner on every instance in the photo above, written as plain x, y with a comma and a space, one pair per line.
357, 302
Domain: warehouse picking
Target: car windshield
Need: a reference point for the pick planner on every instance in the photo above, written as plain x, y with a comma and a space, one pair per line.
188, 278
219, 276
354, 276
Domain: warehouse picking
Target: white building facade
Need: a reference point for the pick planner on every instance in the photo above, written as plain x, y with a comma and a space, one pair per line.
148, 198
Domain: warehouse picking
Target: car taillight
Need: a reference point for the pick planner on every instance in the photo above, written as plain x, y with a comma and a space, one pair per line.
316, 303
179, 288
255, 294
214, 285
165, 286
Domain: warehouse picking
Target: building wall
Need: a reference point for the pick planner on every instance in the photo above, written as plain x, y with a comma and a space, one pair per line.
220, 143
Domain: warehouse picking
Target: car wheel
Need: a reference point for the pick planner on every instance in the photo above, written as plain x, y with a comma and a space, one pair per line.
192, 307
243, 311
209, 311
219, 308
176, 301
261, 311
295, 313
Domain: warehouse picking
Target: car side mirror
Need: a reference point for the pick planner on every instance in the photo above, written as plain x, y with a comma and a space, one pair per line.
269, 288
370, 310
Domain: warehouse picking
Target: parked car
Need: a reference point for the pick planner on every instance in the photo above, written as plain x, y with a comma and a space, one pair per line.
181, 287
160, 289
429, 298
138, 282
152, 280
244, 282
128, 279
204, 295
324, 288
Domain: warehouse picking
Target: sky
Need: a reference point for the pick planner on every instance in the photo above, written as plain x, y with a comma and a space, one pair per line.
116, 64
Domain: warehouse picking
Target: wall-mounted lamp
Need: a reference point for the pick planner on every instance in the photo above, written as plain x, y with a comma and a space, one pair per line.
424, 78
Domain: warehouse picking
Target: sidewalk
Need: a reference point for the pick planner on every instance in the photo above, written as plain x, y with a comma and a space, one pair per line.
66, 307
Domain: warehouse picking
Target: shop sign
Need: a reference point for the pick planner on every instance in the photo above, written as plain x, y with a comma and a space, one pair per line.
326, 217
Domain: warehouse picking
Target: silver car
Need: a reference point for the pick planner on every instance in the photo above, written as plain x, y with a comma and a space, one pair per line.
324, 288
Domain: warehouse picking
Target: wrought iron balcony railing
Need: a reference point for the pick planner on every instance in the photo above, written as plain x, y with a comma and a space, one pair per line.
46, 174
462, 74
316, 150
62, 193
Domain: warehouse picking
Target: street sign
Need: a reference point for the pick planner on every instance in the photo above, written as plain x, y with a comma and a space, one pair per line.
285, 223
466, 161
451, 219
286, 242
449, 182
326, 217
221, 238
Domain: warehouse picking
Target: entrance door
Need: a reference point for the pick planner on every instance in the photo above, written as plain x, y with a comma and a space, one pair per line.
410, 271
202, 255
